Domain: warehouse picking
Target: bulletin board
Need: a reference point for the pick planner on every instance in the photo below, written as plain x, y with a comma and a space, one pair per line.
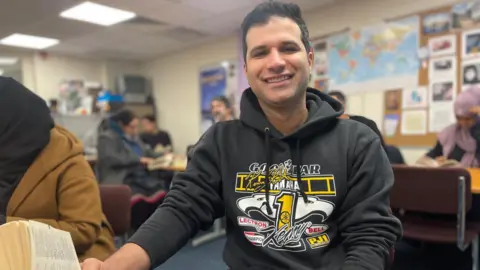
395, 135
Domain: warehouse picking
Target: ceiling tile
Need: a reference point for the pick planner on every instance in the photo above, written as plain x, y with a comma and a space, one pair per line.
161, 10
307, 5
219, 6
60, 28
223, 23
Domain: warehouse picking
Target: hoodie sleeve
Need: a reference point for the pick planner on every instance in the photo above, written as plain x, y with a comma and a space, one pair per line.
193, 203
111, 155
366, 224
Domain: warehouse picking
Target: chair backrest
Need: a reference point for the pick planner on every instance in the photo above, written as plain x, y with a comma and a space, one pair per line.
431, 190
116, 206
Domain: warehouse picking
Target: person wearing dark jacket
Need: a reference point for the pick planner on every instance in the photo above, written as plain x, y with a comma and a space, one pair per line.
300, 188
123, 158
153, 136
393, 153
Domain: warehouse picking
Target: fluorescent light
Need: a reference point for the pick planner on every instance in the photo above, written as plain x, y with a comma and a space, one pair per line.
26, 41
97, 14
8, 60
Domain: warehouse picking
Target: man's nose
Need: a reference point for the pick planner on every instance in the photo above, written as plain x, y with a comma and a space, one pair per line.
276, 63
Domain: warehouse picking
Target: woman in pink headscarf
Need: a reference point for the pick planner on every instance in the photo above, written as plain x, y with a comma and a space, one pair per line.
459, 141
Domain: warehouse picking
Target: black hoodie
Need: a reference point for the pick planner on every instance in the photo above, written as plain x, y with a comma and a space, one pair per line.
332, 213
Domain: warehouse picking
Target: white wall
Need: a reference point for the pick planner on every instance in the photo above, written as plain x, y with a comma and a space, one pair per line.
176, 85
175, 77
43, 75
114, 68
51, 70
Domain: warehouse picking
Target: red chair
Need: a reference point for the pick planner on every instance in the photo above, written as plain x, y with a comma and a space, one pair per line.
116, 207
143, 207
433, 203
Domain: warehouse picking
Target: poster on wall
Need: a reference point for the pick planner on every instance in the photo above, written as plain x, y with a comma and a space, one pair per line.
466, 15
375, 52
75, 97
215, 81
470, 73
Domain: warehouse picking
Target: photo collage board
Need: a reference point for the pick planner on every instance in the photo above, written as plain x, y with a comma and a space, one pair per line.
449, 53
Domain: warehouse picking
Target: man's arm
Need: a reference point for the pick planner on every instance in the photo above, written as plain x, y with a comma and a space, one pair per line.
193, 203
436, 151
368, 228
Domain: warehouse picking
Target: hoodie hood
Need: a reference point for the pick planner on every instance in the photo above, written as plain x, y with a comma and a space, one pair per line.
25, 125
322, 111
62, 147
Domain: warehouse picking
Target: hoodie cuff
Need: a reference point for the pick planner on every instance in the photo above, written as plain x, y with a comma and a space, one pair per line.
353, 266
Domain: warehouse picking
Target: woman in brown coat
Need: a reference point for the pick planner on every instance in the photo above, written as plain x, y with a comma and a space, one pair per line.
44, 175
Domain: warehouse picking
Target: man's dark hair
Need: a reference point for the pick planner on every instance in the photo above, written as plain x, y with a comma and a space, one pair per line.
338, 94
150, 117
53, 103
224, 100
123, 117
262, 13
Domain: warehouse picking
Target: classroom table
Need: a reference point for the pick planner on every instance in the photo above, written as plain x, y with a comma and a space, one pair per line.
475, 179
172, 168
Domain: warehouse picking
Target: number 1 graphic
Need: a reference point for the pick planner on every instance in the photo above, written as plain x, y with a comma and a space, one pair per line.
285, 205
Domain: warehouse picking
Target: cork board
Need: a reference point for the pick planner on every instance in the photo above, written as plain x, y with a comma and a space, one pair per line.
429, 139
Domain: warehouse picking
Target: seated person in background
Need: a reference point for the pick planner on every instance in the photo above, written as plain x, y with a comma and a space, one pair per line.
340, 97
459, 141
122, 157
157, 139
222, 109
393, 153
44, 176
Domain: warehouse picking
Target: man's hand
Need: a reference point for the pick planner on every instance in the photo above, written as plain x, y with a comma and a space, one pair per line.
440, 159
93, 264
146, 160
128, 257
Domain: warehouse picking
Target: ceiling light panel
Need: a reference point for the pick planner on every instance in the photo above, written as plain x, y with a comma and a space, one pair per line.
8, 61
97, 14
27, 41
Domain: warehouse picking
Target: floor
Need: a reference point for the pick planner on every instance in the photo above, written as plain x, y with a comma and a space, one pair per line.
407, 257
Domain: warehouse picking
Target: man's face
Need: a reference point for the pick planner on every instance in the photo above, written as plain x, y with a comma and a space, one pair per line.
131, 128
220, 112
147, 125
277, 64
339, 100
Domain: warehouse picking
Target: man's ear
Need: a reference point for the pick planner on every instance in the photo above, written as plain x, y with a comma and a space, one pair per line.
311, 57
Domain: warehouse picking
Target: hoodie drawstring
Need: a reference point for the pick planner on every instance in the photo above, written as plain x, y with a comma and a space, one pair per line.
267, 176
298, 164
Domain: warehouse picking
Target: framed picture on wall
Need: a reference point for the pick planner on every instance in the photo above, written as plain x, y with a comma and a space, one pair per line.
442, 45
471, 43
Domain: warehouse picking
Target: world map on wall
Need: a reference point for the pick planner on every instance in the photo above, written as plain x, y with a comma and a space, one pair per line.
374, 52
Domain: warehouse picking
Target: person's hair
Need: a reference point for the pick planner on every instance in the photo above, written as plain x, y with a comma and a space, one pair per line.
123, 117
150, 118
262, 13
371, 124
338, 94
53, 102
224, 100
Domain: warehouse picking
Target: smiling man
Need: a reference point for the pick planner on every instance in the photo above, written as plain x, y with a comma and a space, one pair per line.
300, 188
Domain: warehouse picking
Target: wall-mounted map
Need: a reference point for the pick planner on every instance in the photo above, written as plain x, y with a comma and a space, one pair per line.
374, 52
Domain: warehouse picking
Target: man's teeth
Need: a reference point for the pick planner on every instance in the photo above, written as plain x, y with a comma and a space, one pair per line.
278, 79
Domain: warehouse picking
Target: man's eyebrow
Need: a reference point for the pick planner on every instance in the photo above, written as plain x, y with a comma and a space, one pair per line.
262, 47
